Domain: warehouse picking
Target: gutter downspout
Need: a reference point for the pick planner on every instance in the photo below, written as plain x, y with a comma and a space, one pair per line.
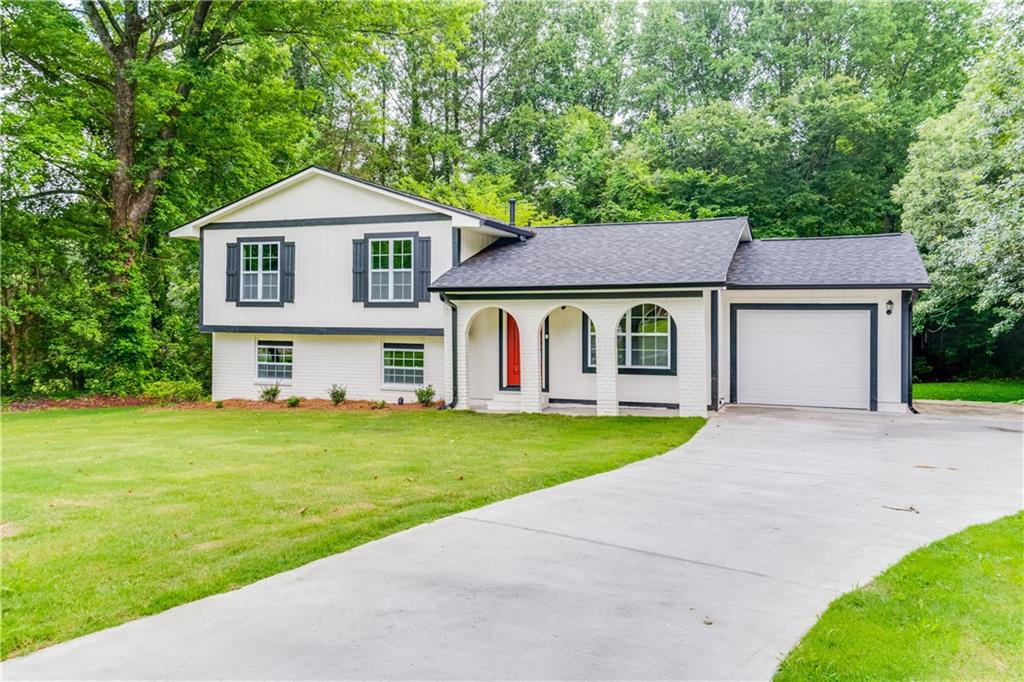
455, 352
910, 352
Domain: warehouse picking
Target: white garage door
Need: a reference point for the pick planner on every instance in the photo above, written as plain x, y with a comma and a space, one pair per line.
809, 357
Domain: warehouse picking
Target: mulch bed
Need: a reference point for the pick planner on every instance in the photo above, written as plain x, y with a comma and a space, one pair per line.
307, 404
81, 401
134, 401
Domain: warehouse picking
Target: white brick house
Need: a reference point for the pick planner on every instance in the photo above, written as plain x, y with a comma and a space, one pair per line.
324, 279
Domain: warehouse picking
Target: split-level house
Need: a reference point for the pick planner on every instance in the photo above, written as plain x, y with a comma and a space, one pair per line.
323, 279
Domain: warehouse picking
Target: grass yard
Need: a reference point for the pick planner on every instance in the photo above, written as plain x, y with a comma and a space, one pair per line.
111, 514
1003, 391
953, 610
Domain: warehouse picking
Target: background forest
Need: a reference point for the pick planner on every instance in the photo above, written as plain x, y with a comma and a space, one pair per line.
122, 120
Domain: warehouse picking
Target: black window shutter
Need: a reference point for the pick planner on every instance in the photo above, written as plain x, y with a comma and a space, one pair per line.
288, 272
359, 273
422, 268
231, 285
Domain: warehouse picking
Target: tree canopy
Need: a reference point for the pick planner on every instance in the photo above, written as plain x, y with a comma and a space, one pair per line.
123, 119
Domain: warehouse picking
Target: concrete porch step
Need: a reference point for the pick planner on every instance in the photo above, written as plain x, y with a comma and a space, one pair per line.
504, 401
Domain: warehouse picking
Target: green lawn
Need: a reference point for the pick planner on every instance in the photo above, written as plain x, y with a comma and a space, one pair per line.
115, 513
980, 391
953, 610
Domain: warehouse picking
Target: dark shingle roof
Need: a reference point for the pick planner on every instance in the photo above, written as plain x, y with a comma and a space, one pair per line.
863, 261
612, 255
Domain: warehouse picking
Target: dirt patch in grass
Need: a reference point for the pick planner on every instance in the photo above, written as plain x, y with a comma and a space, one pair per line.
9, 530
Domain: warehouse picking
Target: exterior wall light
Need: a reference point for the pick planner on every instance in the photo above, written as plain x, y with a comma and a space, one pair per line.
888, 307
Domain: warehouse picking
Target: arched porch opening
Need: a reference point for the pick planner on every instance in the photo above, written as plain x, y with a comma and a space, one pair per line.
494, 359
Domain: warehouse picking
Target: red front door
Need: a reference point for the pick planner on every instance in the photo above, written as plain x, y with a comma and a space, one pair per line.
511, 351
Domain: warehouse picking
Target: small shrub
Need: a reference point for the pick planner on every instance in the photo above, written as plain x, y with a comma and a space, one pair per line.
337, 394
378, 404
270, 393
219, 404
425, 395
293, 401
186, 391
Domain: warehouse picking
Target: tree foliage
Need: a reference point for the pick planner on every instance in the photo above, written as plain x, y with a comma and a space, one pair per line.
123, 119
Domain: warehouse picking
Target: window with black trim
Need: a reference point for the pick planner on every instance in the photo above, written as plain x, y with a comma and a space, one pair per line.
645, 341
261, 271
274, 360
391, 270
403, 364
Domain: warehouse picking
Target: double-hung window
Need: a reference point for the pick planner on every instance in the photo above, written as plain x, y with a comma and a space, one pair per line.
261, 275
643, 340
274, 360
403, 363
391, 271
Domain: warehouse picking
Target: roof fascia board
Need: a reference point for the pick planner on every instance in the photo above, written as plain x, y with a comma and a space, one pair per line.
827, 286
569, 290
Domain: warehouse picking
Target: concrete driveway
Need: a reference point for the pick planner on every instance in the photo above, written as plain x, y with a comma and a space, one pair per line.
708, 562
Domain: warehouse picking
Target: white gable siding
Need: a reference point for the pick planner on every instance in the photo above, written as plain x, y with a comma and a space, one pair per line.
354, 362
319, 196
472, 243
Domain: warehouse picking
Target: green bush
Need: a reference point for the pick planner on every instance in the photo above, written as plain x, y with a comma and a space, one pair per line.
219, 404
378, 404
337, 394
293, 401
270, 393
185, 391
425, 395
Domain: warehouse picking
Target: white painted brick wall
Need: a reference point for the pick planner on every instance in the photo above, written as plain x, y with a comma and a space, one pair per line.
354, 362
688, 314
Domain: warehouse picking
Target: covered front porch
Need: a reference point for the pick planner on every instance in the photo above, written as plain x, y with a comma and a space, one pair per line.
601, 353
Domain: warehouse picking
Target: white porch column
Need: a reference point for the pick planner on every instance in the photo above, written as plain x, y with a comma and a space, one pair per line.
691, 355
450, 334
465, 313
530, 382
607, 375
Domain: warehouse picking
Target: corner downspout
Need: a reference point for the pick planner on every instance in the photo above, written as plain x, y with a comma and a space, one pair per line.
910, 353
455, 352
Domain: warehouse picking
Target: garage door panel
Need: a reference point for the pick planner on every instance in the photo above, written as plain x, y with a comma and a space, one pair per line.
803, 357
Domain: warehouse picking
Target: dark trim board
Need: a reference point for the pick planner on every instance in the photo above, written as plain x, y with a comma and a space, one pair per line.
546, 359
329, 221
906, 348
660, 290
280, 255
402, 346
502, 386
456, 246
202, 266
714, 350
586, 295
324, 331
895, 285
872, 309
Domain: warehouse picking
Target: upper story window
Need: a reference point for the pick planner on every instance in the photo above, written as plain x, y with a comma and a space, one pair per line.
391, 271
645, 341
261, 275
